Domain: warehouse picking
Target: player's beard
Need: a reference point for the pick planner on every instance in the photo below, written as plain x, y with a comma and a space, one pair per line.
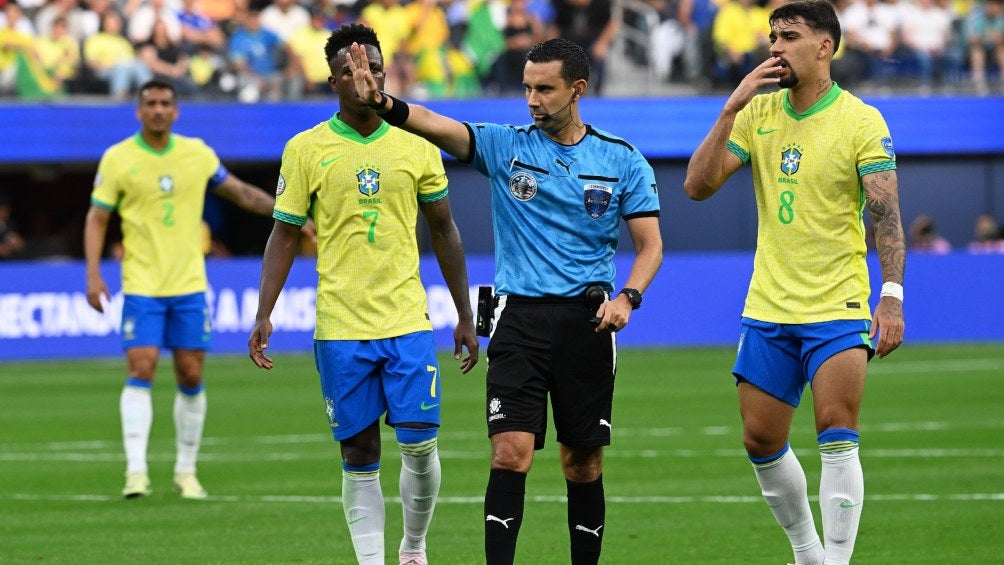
789, 80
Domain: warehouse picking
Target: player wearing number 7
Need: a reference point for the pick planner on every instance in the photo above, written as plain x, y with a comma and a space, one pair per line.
364, 182
819, 156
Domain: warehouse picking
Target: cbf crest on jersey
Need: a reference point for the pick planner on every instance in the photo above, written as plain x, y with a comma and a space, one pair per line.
596, 197
368, 179
790, 159
522, 185
166, 183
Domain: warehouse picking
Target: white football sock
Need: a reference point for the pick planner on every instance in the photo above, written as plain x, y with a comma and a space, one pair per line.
783, 485
136, 409
419, 483
362, 501
189, 420
841, 494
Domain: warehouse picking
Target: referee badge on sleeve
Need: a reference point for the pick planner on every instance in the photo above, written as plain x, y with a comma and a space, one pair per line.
596, 198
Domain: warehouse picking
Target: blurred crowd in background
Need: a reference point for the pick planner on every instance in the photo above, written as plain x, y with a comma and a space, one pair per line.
251, 50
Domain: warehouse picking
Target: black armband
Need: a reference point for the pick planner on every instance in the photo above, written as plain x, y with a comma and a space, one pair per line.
398, 113
382, 104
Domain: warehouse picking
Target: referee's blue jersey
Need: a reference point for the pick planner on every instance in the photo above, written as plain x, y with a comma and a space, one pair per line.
557, 208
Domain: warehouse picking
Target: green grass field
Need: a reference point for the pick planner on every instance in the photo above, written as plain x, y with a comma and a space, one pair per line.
679, 487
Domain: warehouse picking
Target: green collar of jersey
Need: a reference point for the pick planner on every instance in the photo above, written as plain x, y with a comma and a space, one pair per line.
823, 103
343, 129
146, 146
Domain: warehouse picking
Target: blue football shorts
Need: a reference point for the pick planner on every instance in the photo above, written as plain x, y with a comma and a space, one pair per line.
361, 380
781, 358
175, 322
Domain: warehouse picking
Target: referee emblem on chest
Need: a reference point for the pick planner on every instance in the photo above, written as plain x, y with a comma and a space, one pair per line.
522, 185
596, 198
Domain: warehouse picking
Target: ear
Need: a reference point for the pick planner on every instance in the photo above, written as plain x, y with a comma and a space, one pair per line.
825, 48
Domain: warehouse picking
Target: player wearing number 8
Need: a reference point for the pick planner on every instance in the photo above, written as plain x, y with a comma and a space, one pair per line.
819, 156
364, 184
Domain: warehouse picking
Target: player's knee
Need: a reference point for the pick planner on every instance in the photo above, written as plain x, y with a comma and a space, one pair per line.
582, 465
363, 448
189, 380
511, 456
836, 417
762, 445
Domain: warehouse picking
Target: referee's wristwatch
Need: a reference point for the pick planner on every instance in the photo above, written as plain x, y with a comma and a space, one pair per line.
633, 296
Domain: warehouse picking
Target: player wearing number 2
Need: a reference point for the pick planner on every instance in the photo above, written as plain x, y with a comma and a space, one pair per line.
157, 182
819, 155
364, 183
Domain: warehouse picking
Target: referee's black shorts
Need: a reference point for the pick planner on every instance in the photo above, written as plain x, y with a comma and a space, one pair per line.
547, 345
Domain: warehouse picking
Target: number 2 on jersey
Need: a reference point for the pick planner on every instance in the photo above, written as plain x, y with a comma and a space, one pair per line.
372, 215
168, 215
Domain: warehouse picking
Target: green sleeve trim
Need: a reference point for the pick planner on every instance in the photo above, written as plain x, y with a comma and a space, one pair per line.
102, 205
433, 197
734, 148
289, 218
877, 167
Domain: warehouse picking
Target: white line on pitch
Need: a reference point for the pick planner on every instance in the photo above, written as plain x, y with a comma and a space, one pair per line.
941, 366
446, 436
295, 499
736, 453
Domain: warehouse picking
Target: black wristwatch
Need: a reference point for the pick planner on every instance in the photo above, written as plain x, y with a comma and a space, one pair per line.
633, 296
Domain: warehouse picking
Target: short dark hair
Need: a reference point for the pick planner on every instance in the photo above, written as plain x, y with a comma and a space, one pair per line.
819, 15
157, 83
345, 36
574, 60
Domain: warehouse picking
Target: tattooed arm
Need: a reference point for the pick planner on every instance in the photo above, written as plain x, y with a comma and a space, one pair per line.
882, 197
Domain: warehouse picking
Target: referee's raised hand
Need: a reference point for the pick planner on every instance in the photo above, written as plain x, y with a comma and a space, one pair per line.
366, 85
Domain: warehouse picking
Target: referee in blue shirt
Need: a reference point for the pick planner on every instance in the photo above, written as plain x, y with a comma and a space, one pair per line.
560, 188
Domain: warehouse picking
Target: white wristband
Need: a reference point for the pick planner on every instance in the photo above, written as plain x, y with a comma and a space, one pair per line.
892, 289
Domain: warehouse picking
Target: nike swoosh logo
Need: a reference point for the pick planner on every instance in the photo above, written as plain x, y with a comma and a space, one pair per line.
845, 505
326, 162
357, 519
425, 406
761, 131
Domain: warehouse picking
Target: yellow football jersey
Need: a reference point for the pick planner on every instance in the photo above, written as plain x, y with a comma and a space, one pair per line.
810, 258
363, 194
159, 196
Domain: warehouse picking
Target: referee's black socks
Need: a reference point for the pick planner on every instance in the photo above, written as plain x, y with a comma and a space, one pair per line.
503, 515
587, 510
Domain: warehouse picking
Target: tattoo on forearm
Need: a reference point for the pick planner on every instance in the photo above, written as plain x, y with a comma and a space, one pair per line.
883, 204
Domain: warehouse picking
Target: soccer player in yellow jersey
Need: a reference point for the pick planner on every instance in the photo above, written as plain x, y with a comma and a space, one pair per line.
819, 156
157, 181
364, 183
